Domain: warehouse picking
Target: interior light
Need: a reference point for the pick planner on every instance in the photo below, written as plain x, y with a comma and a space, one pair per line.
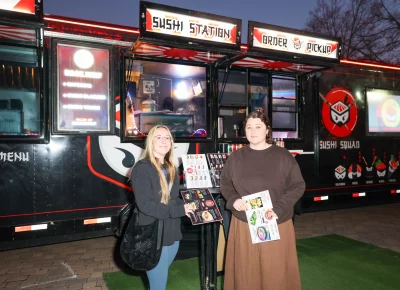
181, 91
358, 95
83, 58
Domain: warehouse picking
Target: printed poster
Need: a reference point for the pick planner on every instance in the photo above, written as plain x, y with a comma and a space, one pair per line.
196, 171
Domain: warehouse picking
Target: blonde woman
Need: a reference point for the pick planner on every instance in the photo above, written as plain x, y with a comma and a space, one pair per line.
156, 187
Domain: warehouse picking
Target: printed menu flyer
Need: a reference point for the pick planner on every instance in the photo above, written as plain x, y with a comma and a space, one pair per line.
262, 225
196, 171
216, 161
203, 204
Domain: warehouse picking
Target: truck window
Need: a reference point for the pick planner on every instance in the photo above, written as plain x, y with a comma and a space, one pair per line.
165, 93
19, 91
284, 107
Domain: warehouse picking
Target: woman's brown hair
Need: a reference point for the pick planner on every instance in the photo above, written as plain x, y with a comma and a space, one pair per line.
265, 120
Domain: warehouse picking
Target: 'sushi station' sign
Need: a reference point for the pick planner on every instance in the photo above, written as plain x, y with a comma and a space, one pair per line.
83, 89
294, 43
24, 6
174, 24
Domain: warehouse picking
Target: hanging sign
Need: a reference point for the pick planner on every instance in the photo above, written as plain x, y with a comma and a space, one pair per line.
23, 6
181, 24
290, 41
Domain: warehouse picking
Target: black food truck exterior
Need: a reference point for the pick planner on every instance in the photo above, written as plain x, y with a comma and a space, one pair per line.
77, 98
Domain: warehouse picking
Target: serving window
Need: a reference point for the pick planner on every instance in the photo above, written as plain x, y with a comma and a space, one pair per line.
20, 93
170, 94
82, 86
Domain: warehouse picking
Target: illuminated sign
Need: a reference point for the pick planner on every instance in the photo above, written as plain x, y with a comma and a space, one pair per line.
83, 89
24, 6
294, 43
180, 23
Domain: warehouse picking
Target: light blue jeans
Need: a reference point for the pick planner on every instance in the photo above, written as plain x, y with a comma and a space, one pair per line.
159, 275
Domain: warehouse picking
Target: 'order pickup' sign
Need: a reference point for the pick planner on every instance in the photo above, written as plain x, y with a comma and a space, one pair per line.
294, 43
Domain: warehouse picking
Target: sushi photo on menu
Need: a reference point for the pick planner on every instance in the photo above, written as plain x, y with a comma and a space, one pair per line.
262, 224
203, 204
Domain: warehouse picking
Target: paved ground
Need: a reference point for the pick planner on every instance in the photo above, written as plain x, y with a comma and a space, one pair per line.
79, 265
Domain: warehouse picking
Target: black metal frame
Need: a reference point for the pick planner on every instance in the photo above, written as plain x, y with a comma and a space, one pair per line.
42, 92
54, 84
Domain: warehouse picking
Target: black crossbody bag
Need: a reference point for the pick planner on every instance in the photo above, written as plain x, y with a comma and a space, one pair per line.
141, 245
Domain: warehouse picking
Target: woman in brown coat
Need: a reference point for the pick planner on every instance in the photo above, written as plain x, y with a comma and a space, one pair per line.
254, 168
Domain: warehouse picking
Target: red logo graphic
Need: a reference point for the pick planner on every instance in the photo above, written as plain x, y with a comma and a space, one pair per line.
297, 43
339, 112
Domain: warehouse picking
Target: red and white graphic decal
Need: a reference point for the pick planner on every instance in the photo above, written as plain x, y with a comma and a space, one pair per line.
288, 42
24, 6
122, 156
339, 112
17, 33
181, 25
176, 53
275, 65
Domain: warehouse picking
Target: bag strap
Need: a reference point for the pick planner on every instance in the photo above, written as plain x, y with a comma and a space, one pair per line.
160, 234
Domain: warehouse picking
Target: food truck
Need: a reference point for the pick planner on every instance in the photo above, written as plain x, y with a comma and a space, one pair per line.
78, 97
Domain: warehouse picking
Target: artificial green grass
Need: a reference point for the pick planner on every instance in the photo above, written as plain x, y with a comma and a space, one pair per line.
326, 263
334, 262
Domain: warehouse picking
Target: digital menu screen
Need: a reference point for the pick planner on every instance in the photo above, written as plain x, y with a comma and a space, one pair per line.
83, 89
383, 111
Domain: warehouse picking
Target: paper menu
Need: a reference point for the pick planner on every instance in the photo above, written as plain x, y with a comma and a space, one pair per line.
204, 206
217, 160
196, 171
262, 225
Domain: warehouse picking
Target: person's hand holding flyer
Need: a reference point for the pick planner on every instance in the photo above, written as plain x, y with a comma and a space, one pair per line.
261, 218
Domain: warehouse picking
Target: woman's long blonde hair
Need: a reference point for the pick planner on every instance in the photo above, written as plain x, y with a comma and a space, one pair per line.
168, 163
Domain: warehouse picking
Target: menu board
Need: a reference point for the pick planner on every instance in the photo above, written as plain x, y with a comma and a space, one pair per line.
83, 89
216, 161
196, 171
203, 204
